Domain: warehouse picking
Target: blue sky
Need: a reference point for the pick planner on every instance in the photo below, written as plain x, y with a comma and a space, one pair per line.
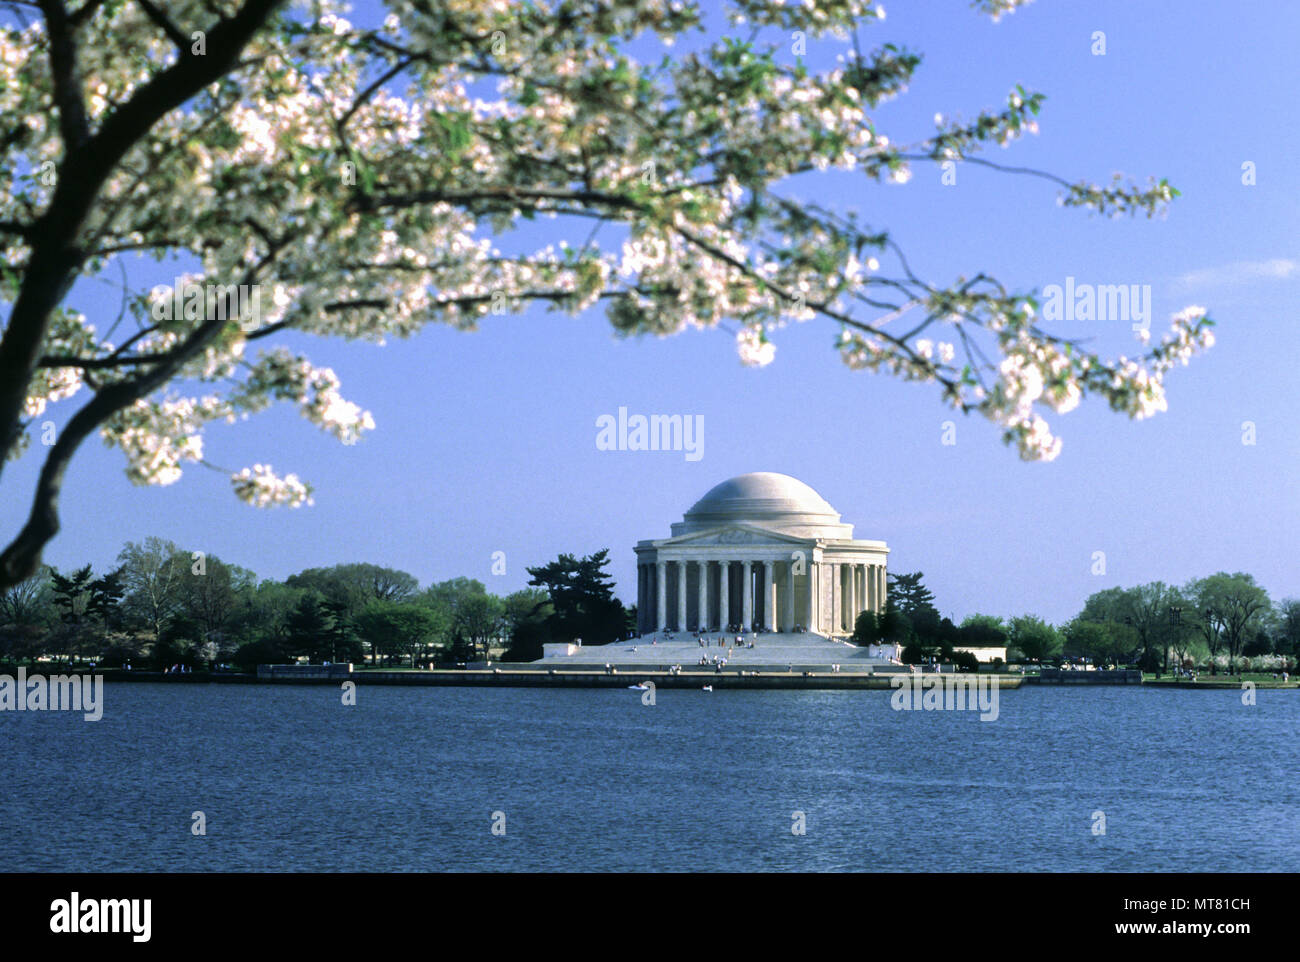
485, 441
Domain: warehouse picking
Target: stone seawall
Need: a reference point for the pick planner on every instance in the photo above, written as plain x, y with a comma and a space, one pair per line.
532, 678
1055, 676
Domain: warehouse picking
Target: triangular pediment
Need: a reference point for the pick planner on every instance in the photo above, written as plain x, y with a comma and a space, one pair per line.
733, 534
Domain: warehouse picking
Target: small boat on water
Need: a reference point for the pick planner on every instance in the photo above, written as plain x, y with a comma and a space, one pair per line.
643, 686
708, 688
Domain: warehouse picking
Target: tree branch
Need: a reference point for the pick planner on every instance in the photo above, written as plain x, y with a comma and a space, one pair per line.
68, 98
55, 259
160, 20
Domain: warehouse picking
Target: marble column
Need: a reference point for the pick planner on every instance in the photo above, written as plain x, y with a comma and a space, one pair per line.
883, 585
648, 612
846, 594
871, 587
848, 597
837, 597
850, 619
703, 616
769, 595
747, 604
812, 597
724, 594
787, 623
661, 590
681, 596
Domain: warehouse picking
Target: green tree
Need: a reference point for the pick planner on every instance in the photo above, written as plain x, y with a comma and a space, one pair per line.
450, 594
479, 621
465, 617
352, 586
104, 604
912, 598
982, 631
208, 596
1287, 631
915, 653
344, 642
26, 611
1233, 608
1102, 641
392, 628
527, 614
866, 629
176, 646
262, 615
891, 625
71, 593
1183, 622
1109, 604
29, 602
308, 628
23, 642
1146, 609
151, 573
70, 596
1149, 606
581, 593
1034, 638
883, 627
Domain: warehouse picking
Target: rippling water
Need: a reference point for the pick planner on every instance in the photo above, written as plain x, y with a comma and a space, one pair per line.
290, 779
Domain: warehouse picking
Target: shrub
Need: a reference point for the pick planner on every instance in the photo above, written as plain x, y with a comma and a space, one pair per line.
966, 660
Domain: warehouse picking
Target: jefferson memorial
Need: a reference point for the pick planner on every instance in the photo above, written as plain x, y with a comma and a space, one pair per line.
760, 573
759, 552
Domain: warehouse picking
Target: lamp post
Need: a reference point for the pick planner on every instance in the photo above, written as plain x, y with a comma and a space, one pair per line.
1209, 615
1176, 628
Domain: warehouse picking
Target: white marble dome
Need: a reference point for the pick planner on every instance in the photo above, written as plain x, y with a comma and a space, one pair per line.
774, 501
760, 552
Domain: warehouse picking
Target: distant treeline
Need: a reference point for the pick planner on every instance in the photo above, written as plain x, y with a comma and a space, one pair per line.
163, 605
1217, 622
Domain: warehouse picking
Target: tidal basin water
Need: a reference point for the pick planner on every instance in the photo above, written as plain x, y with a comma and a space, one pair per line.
289, 779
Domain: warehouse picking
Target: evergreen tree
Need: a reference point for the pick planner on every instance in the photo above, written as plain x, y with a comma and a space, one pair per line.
308, 627
582, 596
104, 601
911, 597
71, 593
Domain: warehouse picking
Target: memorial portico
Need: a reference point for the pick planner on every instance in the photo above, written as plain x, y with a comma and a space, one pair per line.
759, 552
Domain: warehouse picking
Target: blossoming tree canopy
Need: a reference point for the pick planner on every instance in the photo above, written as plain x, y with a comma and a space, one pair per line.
356, 181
